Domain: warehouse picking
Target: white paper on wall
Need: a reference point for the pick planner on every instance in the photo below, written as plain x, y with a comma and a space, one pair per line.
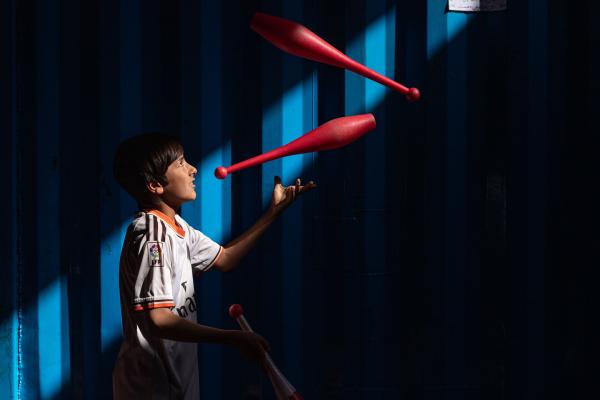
476, 5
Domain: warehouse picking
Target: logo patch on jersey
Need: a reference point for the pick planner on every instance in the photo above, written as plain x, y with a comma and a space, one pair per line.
155, 254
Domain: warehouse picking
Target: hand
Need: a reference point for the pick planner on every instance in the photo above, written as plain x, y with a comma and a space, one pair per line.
284, 196
252, 346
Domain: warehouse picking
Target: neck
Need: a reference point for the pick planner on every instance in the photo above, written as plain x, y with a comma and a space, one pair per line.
162, 207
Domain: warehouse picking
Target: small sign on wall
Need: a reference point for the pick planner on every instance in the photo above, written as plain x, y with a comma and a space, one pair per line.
476, 5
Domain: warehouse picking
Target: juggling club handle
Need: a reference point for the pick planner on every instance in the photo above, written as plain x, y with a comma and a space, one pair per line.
283, 388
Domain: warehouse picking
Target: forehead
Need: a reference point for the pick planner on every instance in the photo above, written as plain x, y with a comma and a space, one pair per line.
177, 160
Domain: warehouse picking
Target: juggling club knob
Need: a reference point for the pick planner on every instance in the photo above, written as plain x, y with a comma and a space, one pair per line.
413, 94
221, 172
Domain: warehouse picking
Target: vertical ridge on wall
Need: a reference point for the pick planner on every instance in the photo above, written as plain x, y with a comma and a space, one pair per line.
116, 109
214, 194
537, 194
557, 278
273, 92
455, 345
51, 306
579, 216
171, 67
373, 272
404, 193
27, 204
434, 198
355, 313
526, 176
151, 26
9, 296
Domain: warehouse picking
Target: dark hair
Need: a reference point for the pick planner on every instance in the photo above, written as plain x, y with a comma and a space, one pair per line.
142, 159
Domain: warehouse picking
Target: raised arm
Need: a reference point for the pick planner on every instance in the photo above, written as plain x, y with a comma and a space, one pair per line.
234, 251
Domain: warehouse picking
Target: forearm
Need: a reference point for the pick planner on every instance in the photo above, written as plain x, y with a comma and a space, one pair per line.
167, 325
236, 250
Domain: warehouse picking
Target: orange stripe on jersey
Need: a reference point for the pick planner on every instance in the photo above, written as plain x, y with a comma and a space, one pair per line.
150, 306
214, 261
171, 221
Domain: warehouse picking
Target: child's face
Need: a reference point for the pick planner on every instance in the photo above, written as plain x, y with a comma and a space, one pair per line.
181, 188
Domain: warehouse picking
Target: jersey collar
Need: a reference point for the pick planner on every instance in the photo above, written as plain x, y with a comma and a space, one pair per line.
170, 221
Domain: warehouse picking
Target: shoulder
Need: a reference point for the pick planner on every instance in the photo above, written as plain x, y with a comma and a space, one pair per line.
146, 226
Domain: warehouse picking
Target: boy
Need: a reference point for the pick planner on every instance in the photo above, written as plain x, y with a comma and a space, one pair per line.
158, 358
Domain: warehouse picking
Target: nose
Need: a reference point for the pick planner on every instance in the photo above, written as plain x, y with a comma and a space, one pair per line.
193, 169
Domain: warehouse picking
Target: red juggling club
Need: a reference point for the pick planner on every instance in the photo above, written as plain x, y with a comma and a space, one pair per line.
331, 135
300, 41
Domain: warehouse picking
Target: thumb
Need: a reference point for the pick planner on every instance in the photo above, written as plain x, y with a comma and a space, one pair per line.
277, 181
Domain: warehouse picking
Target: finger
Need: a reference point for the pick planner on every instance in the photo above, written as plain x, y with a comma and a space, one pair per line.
288, 193
277, 181
309, 186
293, 192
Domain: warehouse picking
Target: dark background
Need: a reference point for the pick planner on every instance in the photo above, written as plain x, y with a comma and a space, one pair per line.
449, 254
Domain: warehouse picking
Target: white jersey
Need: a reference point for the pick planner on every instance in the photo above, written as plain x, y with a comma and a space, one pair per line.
158, 260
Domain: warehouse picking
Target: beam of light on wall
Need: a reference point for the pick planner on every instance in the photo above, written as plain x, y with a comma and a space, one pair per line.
457, 22
53, 338
271, 126
292, 127
369, 45
376, 43
283, 122
442, 27
212, 195
8, 352
110, 310
354, 83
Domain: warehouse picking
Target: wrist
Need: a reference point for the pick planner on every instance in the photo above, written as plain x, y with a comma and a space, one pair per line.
230, 337
273, 212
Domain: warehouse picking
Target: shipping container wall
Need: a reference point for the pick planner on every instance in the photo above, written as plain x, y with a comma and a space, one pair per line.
448, 254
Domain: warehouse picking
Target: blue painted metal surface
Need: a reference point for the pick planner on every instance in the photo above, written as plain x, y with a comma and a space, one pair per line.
439, 257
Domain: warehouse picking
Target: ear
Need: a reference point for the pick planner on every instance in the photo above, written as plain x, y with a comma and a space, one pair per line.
155, 188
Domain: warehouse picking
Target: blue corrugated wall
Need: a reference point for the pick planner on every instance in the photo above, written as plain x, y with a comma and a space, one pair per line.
449, 254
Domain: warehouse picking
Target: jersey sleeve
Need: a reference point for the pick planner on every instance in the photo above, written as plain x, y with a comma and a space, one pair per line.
204, 252
153, 287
